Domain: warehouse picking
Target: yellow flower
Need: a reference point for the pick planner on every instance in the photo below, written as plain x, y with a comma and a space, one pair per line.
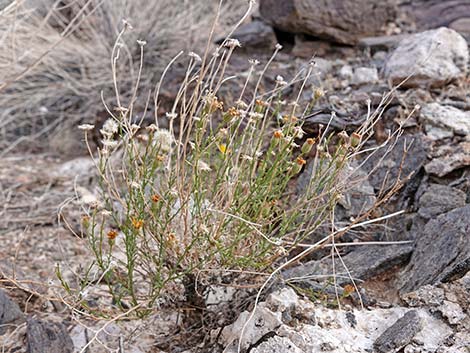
112, 234
290, 118
223, 148
234, 112
137, 223
300, 161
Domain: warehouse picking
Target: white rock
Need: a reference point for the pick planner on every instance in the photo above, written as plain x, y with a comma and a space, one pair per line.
442, 121
364, 75
78, 167
283, 300
277, 344
431, 58
219, 294
262, 322
346, 72
452, 312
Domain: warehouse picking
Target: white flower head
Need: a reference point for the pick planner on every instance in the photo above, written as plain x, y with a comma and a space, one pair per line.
142, 43
280, 80
194, 56
110, 127
232, 43
86, 127
109, 143
171, 115
298, 132
163, 139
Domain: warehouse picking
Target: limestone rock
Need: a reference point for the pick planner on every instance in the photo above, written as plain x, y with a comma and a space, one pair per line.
365, 75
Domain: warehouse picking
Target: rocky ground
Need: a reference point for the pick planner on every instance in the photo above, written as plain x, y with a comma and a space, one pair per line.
412, 274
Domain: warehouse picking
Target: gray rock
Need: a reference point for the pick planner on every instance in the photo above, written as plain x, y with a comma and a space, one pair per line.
10, 312
442, 249
43, 336
457, 157
442, 121
399, 334
365, 75
438, 199
432, 58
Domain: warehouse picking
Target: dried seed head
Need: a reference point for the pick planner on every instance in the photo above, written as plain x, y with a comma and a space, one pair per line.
318, 93
278, 134
156, 198
355, 139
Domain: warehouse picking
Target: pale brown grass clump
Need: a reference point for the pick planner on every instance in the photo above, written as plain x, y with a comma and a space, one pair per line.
55, 55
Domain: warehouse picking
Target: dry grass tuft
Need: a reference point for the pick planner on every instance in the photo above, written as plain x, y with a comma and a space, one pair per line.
55, 55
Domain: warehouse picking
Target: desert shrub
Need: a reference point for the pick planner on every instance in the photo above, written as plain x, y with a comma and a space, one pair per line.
57, 54
213, 192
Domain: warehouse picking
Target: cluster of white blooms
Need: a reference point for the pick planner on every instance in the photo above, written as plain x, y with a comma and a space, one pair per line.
163, 140
109, 129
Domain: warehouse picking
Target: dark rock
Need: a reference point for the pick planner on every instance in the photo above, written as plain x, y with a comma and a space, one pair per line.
386, 165
442, 250
10, 312
255, 34
438, 199
399, 334
43, 336
363, 263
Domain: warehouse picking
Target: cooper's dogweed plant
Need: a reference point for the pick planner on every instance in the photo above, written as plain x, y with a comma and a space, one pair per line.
213, 192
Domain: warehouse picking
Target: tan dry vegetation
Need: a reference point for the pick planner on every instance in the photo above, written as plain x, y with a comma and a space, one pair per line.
55, 56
